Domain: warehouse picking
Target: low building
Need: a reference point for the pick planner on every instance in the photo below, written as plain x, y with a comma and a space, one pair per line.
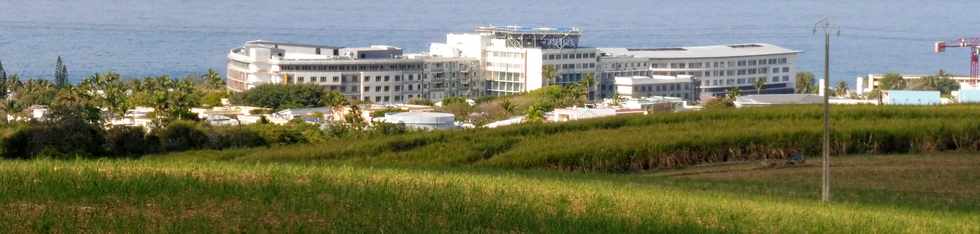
910, 97
776, 99
578, 113
422, 120
866, 84
316, 115
681, 86
968, 96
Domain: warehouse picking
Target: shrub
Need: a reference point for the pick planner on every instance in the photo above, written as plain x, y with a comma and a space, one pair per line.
182, 135
64, 139
233, 137
129, 141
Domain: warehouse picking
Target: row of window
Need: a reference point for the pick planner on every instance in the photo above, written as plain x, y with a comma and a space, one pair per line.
743, 81
663, 87
569, 56
573, 66
351, 67
719, 64
505, 86
352, 78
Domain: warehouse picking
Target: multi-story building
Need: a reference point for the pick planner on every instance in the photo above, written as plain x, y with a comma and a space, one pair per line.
513, 58
681, 86
717, 68
507, 60
380, 74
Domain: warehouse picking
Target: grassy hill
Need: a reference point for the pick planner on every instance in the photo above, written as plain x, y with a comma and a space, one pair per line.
911, 170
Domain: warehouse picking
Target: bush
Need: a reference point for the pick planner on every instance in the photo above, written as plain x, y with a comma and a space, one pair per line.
233, 137
66, 139
182, 135
130, 141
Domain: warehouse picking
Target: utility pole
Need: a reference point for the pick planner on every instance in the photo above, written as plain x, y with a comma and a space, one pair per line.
826, 26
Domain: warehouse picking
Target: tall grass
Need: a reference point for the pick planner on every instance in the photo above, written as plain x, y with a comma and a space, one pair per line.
207, 197
660, 141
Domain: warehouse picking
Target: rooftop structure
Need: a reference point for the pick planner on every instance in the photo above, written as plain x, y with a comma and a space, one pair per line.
714, 51
776, 99
534, 37
682, 86
422, 120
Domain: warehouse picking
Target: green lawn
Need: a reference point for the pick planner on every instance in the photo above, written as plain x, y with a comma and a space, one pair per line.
876, 194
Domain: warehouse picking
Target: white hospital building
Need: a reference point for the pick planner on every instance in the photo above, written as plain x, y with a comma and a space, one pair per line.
507, 60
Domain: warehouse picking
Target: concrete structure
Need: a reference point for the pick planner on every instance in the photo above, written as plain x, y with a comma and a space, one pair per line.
910, 97
316, 115
506, 60
682, 86
866, 84
717, 68
776, 99
513, 58
422, 120
380, 74
577, 113
968, 96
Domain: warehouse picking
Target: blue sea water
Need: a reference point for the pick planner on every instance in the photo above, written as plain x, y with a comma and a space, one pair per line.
151, 37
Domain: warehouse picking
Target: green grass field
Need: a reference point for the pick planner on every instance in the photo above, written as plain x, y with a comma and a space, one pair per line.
909, 170
881, 194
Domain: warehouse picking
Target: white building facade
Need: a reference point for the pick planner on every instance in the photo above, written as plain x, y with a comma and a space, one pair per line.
379, 74
513, 58
507, 60
716, 68
680, 86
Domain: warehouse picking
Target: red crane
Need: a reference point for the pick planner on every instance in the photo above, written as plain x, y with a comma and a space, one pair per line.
974, 45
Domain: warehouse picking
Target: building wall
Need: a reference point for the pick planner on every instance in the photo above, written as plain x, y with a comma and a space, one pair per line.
715, 75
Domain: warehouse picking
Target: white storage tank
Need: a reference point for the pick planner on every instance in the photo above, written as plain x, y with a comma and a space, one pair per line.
422, 120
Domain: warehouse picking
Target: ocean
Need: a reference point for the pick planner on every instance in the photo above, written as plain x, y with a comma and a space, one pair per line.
140, 38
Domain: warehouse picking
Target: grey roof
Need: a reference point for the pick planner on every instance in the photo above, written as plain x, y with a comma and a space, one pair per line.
777, 99
714, 51
273, 43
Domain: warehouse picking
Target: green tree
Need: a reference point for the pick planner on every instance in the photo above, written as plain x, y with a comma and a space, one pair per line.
74, 103
4, 90
213, 80
759, 83
892, 81
840, 89
548, 74
60, 74
733, 93
587, 85
535, 114
805, 83
335, 100
282, 96
108, 91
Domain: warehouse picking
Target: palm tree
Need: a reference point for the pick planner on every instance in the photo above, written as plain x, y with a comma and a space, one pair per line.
213, 80
804, 83
892, 81
548, 74
840, 89
336, 101
586, 85
535, 114
733, 93
759, 84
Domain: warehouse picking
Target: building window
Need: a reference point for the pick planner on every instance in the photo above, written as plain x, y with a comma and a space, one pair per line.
785, 78
387, 78
299, 79
785, 69
323, 79
377, 99
398, 78
367, 89
377, 79
386, 88
336, 79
